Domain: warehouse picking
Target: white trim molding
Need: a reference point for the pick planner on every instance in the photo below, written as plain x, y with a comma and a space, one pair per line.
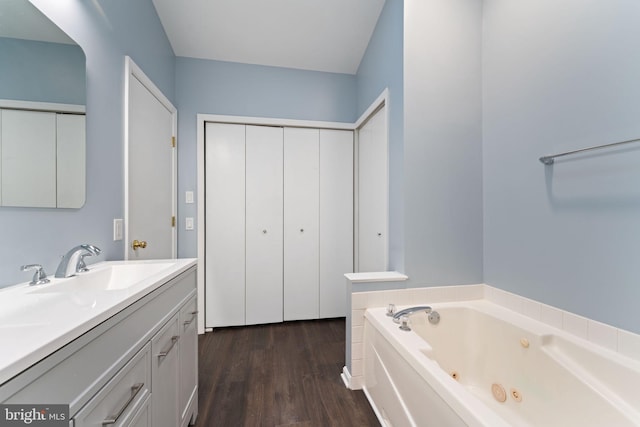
15, 104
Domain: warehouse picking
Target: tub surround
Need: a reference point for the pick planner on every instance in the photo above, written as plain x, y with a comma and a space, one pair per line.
44, 318
358, 283
614, 339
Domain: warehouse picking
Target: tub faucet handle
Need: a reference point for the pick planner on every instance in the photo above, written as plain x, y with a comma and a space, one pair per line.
391, 310
404, 323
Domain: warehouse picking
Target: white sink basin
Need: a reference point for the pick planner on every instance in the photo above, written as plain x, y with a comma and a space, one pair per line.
113, 277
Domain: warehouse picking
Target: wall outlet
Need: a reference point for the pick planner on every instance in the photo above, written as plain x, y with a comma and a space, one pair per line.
118, 229
188, 223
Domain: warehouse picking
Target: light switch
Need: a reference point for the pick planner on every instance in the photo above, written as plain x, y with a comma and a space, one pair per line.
188, 197
188, 223
118, 224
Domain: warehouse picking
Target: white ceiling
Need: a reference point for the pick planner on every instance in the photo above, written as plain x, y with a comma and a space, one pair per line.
19, 19
321, 35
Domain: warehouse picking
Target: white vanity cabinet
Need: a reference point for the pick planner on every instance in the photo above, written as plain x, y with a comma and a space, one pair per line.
133, 369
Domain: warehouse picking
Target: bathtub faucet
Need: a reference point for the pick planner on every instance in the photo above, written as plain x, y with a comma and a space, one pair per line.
410, 311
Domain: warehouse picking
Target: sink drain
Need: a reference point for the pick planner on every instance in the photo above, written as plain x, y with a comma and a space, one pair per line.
498, 392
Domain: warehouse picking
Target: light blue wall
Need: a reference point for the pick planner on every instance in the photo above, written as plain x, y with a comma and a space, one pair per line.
561, 76
443, 141
40, 71
106, 30
381, 68
225, 88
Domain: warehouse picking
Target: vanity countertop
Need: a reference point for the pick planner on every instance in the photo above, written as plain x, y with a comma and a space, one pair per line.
35, 321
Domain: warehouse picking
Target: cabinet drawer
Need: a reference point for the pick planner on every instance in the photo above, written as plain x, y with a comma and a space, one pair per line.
118, 401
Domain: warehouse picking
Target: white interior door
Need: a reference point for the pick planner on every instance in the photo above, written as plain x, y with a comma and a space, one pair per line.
264, 224
150, 170
373, 193
225, 230
301, 223
336, 219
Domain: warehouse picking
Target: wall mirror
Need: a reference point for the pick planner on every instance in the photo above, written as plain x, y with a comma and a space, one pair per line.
42, 111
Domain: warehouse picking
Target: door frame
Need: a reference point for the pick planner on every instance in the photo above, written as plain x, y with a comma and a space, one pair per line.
133, 71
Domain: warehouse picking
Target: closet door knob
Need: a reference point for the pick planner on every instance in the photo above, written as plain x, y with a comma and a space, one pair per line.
302, 230
379, 234
264, 231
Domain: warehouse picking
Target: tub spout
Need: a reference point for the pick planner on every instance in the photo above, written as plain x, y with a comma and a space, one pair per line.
410, 311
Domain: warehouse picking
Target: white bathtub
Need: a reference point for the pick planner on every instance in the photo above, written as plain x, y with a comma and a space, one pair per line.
549, 377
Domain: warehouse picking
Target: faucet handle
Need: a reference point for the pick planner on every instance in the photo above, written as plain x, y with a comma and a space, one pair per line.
91, 250
404, 320
391, 310
39, 277
82, 267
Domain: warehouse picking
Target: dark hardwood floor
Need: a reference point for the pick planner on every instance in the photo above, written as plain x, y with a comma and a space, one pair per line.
284, 374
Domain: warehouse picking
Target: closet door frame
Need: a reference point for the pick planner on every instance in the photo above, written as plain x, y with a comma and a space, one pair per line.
259, 121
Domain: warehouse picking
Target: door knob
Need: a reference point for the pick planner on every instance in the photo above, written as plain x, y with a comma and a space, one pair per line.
138, 244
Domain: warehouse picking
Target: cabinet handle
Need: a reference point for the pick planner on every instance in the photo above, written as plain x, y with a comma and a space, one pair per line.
112, 419
379, 234
264, 231
174, 340
302, 230
193, 316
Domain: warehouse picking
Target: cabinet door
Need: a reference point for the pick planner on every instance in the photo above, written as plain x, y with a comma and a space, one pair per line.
264, 199
225, 231
70, 160
188, 360
301, 223
336, 219
28, 158
372, 194
165, 375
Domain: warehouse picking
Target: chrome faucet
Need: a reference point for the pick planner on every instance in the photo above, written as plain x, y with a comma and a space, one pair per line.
409, 311
73, 261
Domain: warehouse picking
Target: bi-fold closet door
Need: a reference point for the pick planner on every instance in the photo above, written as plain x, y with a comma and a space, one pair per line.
279, 223
301, 223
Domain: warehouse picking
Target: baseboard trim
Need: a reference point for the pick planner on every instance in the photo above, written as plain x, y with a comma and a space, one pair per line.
346, 377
